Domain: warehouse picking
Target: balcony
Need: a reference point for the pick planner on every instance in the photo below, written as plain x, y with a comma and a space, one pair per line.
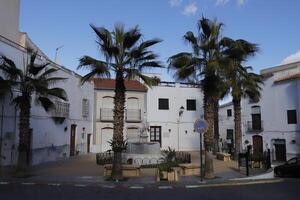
107, 114
133, 115
61, 110
255, 126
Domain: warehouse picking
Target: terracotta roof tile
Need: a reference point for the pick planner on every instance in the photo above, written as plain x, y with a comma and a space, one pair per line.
109, 84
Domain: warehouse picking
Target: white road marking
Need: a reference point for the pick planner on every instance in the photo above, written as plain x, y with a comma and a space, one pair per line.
136, 187
165, 187
192, 186
107, 186
54, 184
28, 183
79, 185
4, 183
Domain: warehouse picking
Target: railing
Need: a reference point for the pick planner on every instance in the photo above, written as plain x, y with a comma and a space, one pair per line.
255, 126
62, 109
107, 114
133, 115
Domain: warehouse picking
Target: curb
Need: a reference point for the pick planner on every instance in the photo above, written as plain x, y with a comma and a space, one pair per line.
153, 186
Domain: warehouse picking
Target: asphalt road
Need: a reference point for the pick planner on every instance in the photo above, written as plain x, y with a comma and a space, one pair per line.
286, 190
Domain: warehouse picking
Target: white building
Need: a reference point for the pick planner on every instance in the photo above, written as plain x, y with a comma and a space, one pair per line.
62, 133
172, 109
135, 112
273, 121
226, 127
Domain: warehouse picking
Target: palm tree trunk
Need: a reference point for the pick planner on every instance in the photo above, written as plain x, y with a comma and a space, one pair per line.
209, 136
216, 126
119, 102
237, 127
24, 133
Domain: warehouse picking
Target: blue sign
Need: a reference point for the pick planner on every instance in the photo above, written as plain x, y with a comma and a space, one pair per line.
200, 125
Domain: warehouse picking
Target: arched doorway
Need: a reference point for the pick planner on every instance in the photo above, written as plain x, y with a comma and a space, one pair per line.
257, 144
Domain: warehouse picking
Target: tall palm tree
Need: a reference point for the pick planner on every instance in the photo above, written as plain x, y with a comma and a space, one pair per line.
243, 83
34, 80
126, 57
203, 65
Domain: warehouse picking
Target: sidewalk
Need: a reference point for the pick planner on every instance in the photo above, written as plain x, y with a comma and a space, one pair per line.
84, 170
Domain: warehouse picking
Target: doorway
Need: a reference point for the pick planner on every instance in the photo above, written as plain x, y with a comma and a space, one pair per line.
72, 139
257, 144
280, 150
155, 134
88, 143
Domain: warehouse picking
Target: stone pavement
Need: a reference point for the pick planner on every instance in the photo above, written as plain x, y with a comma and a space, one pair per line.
84, 170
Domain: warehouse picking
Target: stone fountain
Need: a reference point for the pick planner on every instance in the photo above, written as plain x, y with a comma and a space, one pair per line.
142, 152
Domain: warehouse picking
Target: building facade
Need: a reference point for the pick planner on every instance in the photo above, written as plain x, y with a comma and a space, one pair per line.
272, 122
66, 131
135, 112
172, 109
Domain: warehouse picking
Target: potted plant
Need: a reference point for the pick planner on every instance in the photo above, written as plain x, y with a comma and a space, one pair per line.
166, 169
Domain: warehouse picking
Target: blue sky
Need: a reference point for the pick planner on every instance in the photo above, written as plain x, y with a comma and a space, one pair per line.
273, 24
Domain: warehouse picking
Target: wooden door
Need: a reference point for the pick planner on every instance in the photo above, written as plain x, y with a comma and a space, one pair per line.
72, 139
88, 142
280, 152
257, 144
155, 134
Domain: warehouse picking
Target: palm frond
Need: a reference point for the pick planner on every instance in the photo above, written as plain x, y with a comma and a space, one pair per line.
57, 92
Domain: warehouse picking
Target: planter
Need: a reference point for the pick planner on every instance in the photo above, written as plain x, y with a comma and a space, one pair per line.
256, 164
171, 176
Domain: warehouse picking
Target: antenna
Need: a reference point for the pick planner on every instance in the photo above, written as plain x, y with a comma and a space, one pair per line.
56, 50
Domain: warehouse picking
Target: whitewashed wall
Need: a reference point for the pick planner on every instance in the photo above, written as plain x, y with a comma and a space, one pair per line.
172, 125
50, 140
103, 130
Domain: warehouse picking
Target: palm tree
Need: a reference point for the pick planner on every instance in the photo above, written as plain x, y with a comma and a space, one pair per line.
126, 57
35, 80
243, 83
203, 65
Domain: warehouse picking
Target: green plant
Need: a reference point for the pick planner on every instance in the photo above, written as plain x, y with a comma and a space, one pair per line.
169, 155
118, 146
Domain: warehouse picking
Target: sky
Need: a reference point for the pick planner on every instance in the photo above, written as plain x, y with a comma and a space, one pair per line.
273, 24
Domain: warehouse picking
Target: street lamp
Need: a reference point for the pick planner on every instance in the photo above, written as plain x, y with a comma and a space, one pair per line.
180, 112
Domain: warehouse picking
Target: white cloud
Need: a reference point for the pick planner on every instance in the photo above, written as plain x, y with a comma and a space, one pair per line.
221, 2
190, 9
241, 2
292, 58
175, 3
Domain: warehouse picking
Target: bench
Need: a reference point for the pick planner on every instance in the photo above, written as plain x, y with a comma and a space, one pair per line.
223, 156
127, 170
189, 169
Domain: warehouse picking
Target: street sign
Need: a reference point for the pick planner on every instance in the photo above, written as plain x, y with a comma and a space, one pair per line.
200, 125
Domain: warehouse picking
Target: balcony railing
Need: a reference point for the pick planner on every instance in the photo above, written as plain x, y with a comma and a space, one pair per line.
255, 126
62, 109
133, 115
107, 114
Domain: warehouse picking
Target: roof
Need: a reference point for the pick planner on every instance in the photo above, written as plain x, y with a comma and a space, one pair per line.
271, 70
226, 105
291, 77
109, 84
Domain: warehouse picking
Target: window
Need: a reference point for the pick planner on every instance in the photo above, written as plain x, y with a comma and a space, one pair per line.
292, 117
85, 107
190, 104
229, 135
163, 104
62, 109
229, 113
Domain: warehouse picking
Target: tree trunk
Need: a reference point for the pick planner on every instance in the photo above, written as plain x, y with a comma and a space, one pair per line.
119, 102
216, 126
237, 127
209, 135
24, 134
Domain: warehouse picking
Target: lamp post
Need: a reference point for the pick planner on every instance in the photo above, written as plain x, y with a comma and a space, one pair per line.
180, 112
56, 51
